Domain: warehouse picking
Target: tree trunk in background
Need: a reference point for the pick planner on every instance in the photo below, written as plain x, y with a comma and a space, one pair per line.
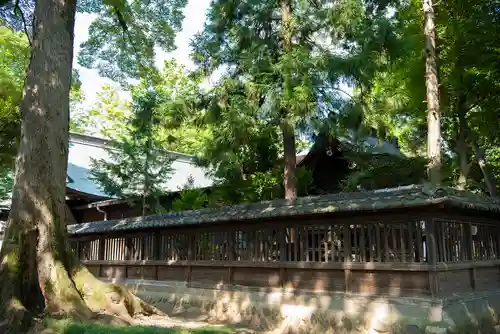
463, 156
288, 131
462, 147
467, 134
38, 271
431, 82
489, 179
289, 176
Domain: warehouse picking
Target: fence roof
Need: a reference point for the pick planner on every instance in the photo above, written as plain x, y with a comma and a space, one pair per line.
393, 198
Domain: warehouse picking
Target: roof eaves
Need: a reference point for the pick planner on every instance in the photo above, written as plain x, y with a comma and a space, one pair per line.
393, 198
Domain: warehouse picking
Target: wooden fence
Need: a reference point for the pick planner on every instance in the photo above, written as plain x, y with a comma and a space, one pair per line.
420, 254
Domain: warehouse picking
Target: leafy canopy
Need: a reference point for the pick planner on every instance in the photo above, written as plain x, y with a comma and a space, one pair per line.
136, 167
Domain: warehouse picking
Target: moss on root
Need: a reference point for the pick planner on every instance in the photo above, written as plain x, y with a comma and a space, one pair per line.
75, 294
109, 298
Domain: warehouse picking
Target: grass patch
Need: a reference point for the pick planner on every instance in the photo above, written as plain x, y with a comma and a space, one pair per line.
70, 327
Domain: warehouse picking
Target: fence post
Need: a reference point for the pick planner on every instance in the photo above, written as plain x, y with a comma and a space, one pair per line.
282, 248
430, 232
156, 251
347, 257
189, 269
470, 254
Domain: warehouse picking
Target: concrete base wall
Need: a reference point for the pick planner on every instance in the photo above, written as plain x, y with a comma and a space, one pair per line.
310, 312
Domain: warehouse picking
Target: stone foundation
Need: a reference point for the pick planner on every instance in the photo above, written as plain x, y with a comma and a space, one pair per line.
309, 312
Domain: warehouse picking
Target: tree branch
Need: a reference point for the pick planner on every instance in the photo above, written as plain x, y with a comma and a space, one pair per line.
19, 11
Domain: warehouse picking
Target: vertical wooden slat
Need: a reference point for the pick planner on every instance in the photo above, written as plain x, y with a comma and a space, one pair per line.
144, 247
230, 242
282, 243
120, 250
325, 245
469, 250
463, 254
314, 243
303, 243
261, 245
492, 246
378, 241
454, 252
355, 248
387, 231
101, 248
451, 238
295, 238
288, 245
363, 243
402, 242
394, 241
347, 257
110, 249
497, 239
371, 244
155, 246
411, 241
333, 242
420, 243
264, 236
251, 245
78, 251
442, 229
430, 231
347, 243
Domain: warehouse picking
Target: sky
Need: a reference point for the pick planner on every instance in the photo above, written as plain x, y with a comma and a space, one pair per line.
195, 13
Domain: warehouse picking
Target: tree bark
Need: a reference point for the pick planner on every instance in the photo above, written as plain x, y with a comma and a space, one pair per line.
37, 269
489, 179
433, 112
289, 176
288, 132
463, 157
462, 147
467, 134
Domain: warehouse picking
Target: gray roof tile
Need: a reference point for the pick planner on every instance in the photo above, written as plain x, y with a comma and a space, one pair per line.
407, 196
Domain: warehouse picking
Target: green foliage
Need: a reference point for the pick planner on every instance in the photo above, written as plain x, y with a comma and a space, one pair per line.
106, 118
280, 69
190, 199
13, 62
123, 37
369, 172
180, 129
137, 167
468, 61
6, 182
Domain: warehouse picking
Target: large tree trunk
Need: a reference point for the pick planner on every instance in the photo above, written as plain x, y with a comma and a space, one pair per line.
37, 269
287, 129
289, 176
433, 112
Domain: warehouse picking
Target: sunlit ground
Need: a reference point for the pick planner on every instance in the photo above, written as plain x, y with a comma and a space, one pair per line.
69, 327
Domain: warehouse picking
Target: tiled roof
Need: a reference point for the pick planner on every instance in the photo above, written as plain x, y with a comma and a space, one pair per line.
408, 196
83, 148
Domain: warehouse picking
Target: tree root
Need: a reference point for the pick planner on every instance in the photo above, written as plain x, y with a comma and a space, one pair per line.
77, 295
111, 299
